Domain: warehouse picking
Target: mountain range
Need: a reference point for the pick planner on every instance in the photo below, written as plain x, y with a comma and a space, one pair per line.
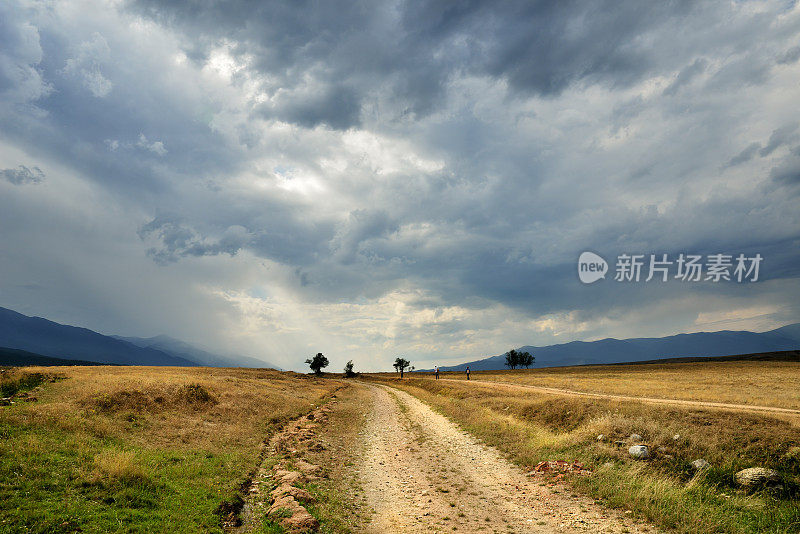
604, 351
47, 338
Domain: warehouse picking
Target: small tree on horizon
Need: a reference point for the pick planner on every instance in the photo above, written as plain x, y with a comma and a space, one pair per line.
401, 364
512, 359
317, 363
348, 370
526, 359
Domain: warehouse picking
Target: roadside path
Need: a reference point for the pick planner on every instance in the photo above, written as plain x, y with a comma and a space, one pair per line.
650, 400
421, 473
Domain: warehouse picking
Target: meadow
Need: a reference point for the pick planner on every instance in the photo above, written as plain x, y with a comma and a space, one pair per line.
137, 449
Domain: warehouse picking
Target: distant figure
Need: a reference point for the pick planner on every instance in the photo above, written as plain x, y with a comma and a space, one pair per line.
436, 370
467, 371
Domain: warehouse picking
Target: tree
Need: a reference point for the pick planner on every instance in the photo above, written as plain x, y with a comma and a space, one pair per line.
526, 359
348, 370
512, 359
401, 364
317, 363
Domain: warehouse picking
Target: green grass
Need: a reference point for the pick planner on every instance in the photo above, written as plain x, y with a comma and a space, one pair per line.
25, 382
138, 449
329, 508
51, 481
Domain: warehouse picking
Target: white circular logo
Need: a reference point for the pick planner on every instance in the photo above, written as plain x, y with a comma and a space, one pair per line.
591, 267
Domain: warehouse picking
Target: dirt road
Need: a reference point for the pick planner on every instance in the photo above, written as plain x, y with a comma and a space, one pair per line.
421, 473
650, 400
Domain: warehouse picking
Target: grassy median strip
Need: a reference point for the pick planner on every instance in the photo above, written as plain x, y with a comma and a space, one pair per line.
665, 489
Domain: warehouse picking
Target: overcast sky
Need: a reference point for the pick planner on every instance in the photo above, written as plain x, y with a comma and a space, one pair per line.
374, 179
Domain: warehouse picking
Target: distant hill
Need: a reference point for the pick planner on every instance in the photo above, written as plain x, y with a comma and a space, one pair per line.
14, 358
46, 338
605, 351
779, 356
184, 350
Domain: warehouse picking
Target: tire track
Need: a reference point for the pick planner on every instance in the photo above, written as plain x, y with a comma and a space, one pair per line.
649, 400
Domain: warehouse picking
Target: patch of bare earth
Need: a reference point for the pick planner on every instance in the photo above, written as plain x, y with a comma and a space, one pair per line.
421, 473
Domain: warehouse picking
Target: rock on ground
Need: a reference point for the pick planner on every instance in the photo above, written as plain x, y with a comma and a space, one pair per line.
640, 452
700, 464
757, 476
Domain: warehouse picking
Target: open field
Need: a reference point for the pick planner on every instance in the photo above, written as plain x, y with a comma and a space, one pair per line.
758, 383
532, 427
138, 449
226, 450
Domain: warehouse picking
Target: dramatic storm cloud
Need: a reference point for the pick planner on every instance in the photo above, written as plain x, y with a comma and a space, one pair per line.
395, 178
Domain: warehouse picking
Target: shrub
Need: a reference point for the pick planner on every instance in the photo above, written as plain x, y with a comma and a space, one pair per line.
197, 394
27, 381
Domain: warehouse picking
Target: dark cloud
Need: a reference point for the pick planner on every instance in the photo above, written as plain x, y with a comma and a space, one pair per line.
781, 136
788, 171
790, 56
624, 112
686, 75
745, 155
179, 240
23, 175
336, 107
412, 51
545, 47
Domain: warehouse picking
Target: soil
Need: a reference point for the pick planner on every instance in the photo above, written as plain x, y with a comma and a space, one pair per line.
421, 473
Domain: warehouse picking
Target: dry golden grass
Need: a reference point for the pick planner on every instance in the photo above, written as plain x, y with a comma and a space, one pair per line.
774, 384
118, 465
173, 406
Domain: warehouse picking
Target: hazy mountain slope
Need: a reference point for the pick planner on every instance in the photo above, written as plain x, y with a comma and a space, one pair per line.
182, 349
40, 336
637, 349
16, 357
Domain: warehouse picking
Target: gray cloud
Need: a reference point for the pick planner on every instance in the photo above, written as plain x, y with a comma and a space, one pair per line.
788, 171
781, 136
179, 240
686, 75
23, 175
745, 155
411, 53
790, 56
415, 176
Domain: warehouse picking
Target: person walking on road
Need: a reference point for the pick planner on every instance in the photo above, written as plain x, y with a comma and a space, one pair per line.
467, 371
436, 370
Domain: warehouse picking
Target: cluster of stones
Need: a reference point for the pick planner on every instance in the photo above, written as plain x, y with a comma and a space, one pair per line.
751, 478
288, 500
